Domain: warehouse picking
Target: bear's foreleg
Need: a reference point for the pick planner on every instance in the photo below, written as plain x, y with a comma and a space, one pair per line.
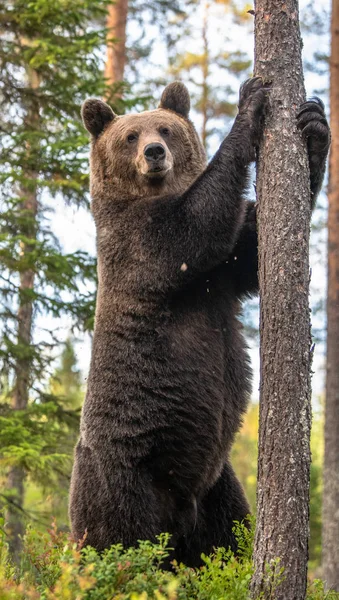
242, 265
243, 262
195, 232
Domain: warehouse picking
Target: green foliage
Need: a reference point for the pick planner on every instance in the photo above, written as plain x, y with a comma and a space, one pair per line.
32, 438
52, 568
66, 380
40, 440
50, 60
316, 591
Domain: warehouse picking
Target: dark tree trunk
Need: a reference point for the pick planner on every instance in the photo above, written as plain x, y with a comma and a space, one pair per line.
331, 459
283, 188
29, 208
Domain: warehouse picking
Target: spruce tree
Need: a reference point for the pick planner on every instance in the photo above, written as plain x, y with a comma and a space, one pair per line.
50, 62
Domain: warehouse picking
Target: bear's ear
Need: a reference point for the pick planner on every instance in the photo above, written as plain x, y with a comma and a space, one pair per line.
95, 115
176, 97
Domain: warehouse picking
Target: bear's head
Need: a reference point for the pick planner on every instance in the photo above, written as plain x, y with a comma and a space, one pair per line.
153, 153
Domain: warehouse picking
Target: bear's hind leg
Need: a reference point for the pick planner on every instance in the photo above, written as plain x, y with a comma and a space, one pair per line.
223, 504
112, 505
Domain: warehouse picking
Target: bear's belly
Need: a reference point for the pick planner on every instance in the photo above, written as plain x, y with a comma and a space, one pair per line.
172, 400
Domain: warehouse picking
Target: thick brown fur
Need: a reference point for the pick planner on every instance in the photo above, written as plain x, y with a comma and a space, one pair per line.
169, 378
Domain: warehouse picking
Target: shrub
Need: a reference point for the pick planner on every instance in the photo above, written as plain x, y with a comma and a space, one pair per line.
53, 568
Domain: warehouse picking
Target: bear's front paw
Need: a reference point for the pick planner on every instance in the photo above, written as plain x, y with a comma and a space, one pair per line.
253, 100
312, 122
251, 216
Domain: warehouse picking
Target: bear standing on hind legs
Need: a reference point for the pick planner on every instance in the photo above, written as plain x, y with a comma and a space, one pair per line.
169, 378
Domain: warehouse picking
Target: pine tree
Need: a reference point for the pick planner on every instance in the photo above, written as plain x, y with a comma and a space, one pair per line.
283, 236
133, 29
331, 456
116, 44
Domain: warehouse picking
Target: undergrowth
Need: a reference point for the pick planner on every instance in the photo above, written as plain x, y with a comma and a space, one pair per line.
52, 568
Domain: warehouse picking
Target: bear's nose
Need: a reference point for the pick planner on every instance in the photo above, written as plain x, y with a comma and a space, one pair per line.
154, 152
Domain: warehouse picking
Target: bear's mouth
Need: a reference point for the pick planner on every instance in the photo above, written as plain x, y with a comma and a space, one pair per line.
156, 172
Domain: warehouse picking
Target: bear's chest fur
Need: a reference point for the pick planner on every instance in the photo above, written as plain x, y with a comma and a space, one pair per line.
170, 381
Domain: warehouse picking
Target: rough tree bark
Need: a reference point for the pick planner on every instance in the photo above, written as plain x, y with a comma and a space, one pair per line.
331, 458
116, 49
283, 231
29, 208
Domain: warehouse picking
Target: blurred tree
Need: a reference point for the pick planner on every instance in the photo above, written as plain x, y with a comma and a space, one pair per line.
66, 382
41, 440
116, 41
314, 21
206, 70
66, 387
244, 454
133, 28
50, 61
316, 490
331, 456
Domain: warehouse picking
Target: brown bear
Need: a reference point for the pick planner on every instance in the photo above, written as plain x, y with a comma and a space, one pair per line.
169, 377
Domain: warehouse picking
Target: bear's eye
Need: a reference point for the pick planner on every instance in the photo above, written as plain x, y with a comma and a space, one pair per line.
164, 131
132, 137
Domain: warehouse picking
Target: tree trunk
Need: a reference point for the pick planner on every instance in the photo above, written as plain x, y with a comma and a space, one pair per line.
29, 207
116, 50
205, 73
284, 212
331, 458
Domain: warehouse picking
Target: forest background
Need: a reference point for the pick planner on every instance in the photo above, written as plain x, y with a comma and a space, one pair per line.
52, 58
